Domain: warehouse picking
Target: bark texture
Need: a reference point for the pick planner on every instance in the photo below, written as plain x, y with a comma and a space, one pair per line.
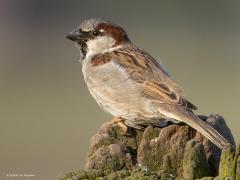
172, 152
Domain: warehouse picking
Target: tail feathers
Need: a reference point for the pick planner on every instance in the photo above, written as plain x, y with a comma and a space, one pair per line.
205, 129
209, 132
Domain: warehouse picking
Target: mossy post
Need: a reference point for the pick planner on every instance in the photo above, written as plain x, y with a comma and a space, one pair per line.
237, 162
195, 162
172, 152
227, 164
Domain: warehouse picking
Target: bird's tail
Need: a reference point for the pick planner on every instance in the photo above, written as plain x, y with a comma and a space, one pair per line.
205, 129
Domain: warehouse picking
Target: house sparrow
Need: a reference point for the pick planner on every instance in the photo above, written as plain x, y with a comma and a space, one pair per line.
130, 84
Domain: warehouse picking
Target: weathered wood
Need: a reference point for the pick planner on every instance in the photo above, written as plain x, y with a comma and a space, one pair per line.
172, 152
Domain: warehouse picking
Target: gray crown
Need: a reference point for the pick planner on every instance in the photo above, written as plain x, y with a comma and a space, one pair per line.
91, 24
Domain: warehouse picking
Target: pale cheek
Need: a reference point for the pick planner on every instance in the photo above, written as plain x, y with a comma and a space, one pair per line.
100, 45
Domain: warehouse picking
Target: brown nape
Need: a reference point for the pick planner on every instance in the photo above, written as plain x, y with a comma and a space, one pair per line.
117, 32
100, 59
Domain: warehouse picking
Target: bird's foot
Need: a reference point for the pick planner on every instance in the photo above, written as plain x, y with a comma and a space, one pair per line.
120, 122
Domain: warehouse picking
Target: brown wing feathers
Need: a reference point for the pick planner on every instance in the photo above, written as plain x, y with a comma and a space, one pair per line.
162, 93
136, 67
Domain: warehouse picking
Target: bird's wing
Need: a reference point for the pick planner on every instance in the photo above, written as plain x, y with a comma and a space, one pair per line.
152, 79
163, 93
157, 86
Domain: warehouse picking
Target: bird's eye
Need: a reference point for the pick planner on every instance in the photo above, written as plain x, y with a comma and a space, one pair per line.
96, 33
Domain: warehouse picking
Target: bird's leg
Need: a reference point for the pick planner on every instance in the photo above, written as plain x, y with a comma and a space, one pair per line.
120, 122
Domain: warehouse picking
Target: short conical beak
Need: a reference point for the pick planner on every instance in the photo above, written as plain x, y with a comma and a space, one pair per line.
75, 35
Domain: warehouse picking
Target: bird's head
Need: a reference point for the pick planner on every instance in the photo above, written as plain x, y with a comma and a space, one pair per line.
94, 36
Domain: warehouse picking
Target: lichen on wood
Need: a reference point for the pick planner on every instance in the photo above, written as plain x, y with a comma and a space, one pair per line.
172, 152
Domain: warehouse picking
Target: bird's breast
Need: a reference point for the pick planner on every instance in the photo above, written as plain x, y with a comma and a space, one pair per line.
113, 90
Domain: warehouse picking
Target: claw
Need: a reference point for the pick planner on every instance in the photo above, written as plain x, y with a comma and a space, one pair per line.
120, 122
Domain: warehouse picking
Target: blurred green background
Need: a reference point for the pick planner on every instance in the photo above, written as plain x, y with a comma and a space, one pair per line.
46, 112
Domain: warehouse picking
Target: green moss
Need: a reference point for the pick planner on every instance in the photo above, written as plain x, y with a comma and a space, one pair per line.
227, 164
75, 175
101, 143
134, 174
109, 167
115, 132
176, 158
152, 159
237, 162
171, 164
194, 162
238, 168
151, 133
139, 134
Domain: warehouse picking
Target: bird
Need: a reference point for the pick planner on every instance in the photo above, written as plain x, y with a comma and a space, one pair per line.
130, 84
